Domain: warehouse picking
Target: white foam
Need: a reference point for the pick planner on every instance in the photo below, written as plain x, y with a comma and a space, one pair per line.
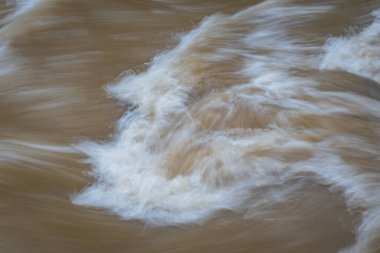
130, 172
358, 54
129, 167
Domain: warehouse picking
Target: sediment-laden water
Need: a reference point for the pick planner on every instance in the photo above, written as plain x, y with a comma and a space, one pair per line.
190, 126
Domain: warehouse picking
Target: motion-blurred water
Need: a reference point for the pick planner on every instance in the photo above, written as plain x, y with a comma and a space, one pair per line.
189, 126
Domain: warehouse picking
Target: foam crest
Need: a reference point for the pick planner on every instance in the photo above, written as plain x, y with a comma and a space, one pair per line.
130, 165
358, 53
164, 86
198, 141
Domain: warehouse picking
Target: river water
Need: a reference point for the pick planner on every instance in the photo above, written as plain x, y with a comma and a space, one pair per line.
189, 126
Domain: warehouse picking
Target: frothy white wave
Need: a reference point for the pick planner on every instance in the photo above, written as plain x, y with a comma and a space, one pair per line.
129, 167
358, 54
183, 154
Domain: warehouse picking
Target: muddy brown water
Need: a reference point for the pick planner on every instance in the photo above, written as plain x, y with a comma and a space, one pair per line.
56, 59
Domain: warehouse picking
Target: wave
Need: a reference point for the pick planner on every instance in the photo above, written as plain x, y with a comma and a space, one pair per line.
358, 53
240, 104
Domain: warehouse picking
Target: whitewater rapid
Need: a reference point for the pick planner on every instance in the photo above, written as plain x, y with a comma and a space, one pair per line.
242, 103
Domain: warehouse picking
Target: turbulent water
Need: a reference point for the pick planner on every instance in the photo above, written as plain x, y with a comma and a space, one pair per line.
190, 126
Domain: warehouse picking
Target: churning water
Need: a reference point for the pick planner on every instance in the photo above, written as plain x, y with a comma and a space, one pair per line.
190, 126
